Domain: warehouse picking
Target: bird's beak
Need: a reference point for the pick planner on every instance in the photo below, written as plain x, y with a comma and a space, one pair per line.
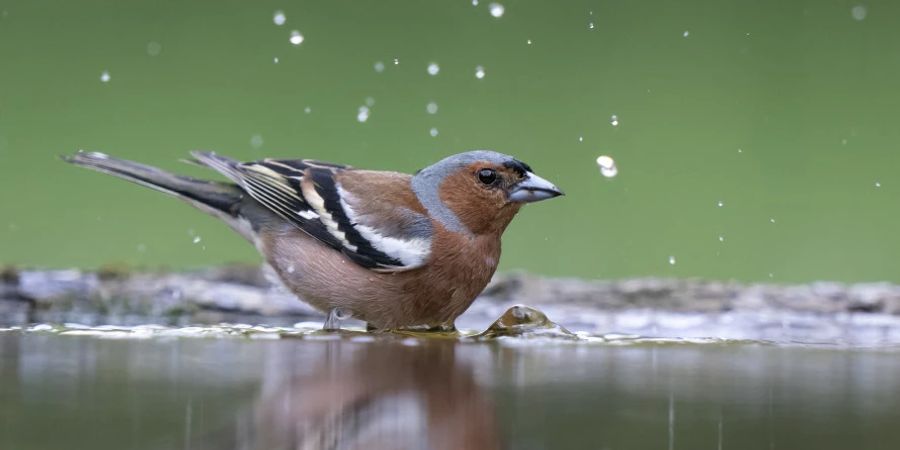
533, 189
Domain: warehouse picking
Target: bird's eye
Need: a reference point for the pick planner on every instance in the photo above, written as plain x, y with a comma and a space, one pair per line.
487, 176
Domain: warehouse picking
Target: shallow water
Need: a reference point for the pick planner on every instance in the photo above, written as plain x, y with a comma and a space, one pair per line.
239, 386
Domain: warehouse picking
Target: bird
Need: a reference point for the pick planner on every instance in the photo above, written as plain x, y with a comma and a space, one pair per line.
394, 250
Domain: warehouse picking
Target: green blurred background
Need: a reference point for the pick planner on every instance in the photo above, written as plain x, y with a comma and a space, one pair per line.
784, 111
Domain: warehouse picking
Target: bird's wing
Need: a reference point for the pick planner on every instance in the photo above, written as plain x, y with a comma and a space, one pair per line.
308, 194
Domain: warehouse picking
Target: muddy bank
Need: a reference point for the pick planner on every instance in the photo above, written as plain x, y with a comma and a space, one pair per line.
824, 311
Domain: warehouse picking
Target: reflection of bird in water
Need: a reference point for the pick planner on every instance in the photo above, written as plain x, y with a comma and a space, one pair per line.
381, 395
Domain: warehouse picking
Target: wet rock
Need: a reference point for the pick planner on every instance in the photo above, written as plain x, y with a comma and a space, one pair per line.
525, 321
650, 306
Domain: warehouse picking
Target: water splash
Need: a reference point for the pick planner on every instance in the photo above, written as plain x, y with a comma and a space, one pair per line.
479, 72
296, 38
614, 120
672, 260
104, 77
256, 141
362, 114
154, 48
607, 166
279, 18
433, 69
497, 10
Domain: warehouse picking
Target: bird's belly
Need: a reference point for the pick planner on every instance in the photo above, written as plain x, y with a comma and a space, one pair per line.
326, 279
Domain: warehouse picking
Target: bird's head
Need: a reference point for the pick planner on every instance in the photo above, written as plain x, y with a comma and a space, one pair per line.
479, 192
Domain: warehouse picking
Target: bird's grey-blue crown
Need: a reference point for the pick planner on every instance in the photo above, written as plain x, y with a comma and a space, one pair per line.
427, 182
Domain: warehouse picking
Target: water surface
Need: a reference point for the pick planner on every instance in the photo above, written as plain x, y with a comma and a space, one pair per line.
395, 392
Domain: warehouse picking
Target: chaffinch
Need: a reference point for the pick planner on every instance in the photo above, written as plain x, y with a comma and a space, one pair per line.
391, 249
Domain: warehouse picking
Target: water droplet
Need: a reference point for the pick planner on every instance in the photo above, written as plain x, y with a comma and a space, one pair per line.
196, 240
497, 10
141, 248
279, 18
474, 2
433, 69
771, 275
528, 41
104, 77
607, 166
721, 238
433, 132
256, 141
275, 60
859, 12
431, 107
296, 37
740, 151
614, 120
154, 48
720, 204
290, 269
370, 102
363, 114
686, 33
307, 110
844, 141
672, 260
479, 72
878, 184
379, 66
396, 61
590, 25
771, 220
580, 138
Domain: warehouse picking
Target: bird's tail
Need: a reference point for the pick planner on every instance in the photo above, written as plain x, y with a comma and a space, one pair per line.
219, 199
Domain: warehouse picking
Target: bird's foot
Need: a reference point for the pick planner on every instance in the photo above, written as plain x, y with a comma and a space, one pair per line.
335, 316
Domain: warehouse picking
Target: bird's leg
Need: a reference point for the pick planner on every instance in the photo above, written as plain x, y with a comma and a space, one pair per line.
335, 316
